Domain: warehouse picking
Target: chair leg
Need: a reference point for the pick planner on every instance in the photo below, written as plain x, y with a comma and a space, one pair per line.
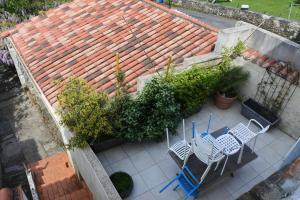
217, 165
175, 188
254, 145
241, 154
224, 165
205, 173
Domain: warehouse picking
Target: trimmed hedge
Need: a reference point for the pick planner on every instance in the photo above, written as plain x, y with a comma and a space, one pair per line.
123, 183
193, 87
146, 117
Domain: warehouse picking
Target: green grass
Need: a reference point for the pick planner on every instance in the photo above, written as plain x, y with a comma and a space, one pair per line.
278, 8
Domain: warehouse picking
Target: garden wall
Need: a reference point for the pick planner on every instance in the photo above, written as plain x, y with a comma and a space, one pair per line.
289, 122
85, 162
281, 26
267, 43
275, 47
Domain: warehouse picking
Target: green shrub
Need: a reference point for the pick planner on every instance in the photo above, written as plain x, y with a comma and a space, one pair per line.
231, 79
194, 86
123, 183
25, 8
146, 117
84, 111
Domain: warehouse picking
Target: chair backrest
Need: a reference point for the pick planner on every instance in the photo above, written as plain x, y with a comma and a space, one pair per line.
189, 176
202, 149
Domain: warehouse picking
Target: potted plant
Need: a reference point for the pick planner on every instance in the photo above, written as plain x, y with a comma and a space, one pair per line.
231, 79
123, 183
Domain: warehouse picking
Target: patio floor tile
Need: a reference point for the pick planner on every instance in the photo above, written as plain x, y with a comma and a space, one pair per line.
283, 144
145, 196
142, 160
102, 158
241, 191
255, 181
157, 151
139, 187
124, 165
115, 154
260, 164
168, 194
153, 176
233, 184
219, 192
131, 149
269, 154
268, 172
169, 168
246, 173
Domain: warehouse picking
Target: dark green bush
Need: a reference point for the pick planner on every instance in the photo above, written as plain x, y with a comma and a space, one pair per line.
123, 183
146, 117
194, 86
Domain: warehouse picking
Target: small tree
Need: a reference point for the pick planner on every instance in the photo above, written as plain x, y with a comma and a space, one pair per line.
84, 111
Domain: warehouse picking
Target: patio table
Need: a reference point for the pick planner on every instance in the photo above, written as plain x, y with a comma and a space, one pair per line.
197, 167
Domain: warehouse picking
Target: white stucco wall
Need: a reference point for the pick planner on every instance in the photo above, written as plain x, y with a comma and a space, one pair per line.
290, 117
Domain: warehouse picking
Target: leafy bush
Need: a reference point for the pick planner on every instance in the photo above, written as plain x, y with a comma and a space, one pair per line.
231, 79
84, 111
123, 183
194, 86
146, 117
25, 8
231, 76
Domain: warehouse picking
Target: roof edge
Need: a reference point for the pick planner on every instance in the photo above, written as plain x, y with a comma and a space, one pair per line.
181, 15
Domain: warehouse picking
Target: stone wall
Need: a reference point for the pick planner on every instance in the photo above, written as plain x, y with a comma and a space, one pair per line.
283, 27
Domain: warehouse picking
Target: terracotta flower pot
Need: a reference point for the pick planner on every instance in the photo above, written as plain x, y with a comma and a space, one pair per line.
224, 102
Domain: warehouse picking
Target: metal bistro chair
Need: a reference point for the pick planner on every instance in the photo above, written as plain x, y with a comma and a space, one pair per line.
186, 181
207, 149
181, 148
230, 144
244, 134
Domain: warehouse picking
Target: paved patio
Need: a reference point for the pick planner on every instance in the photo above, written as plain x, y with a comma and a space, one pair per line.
151, 166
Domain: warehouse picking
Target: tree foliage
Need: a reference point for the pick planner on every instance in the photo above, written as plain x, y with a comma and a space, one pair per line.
84, 111
145, 117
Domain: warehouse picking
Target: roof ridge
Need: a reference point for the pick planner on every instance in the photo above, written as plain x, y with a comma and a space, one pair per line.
181, 15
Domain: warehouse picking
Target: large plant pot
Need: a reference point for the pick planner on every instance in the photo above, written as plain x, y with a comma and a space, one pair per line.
123, 183
106, 144
224, 102
253, 110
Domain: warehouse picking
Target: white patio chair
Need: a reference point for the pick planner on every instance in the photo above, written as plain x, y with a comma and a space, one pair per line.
181, 148
208, 151
244, 134
231, 147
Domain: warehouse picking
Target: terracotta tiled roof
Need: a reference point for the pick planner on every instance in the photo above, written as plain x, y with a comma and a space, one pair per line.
81, 38
56, 179
278, 67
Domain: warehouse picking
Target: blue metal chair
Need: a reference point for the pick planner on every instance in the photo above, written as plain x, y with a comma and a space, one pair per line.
187, 181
